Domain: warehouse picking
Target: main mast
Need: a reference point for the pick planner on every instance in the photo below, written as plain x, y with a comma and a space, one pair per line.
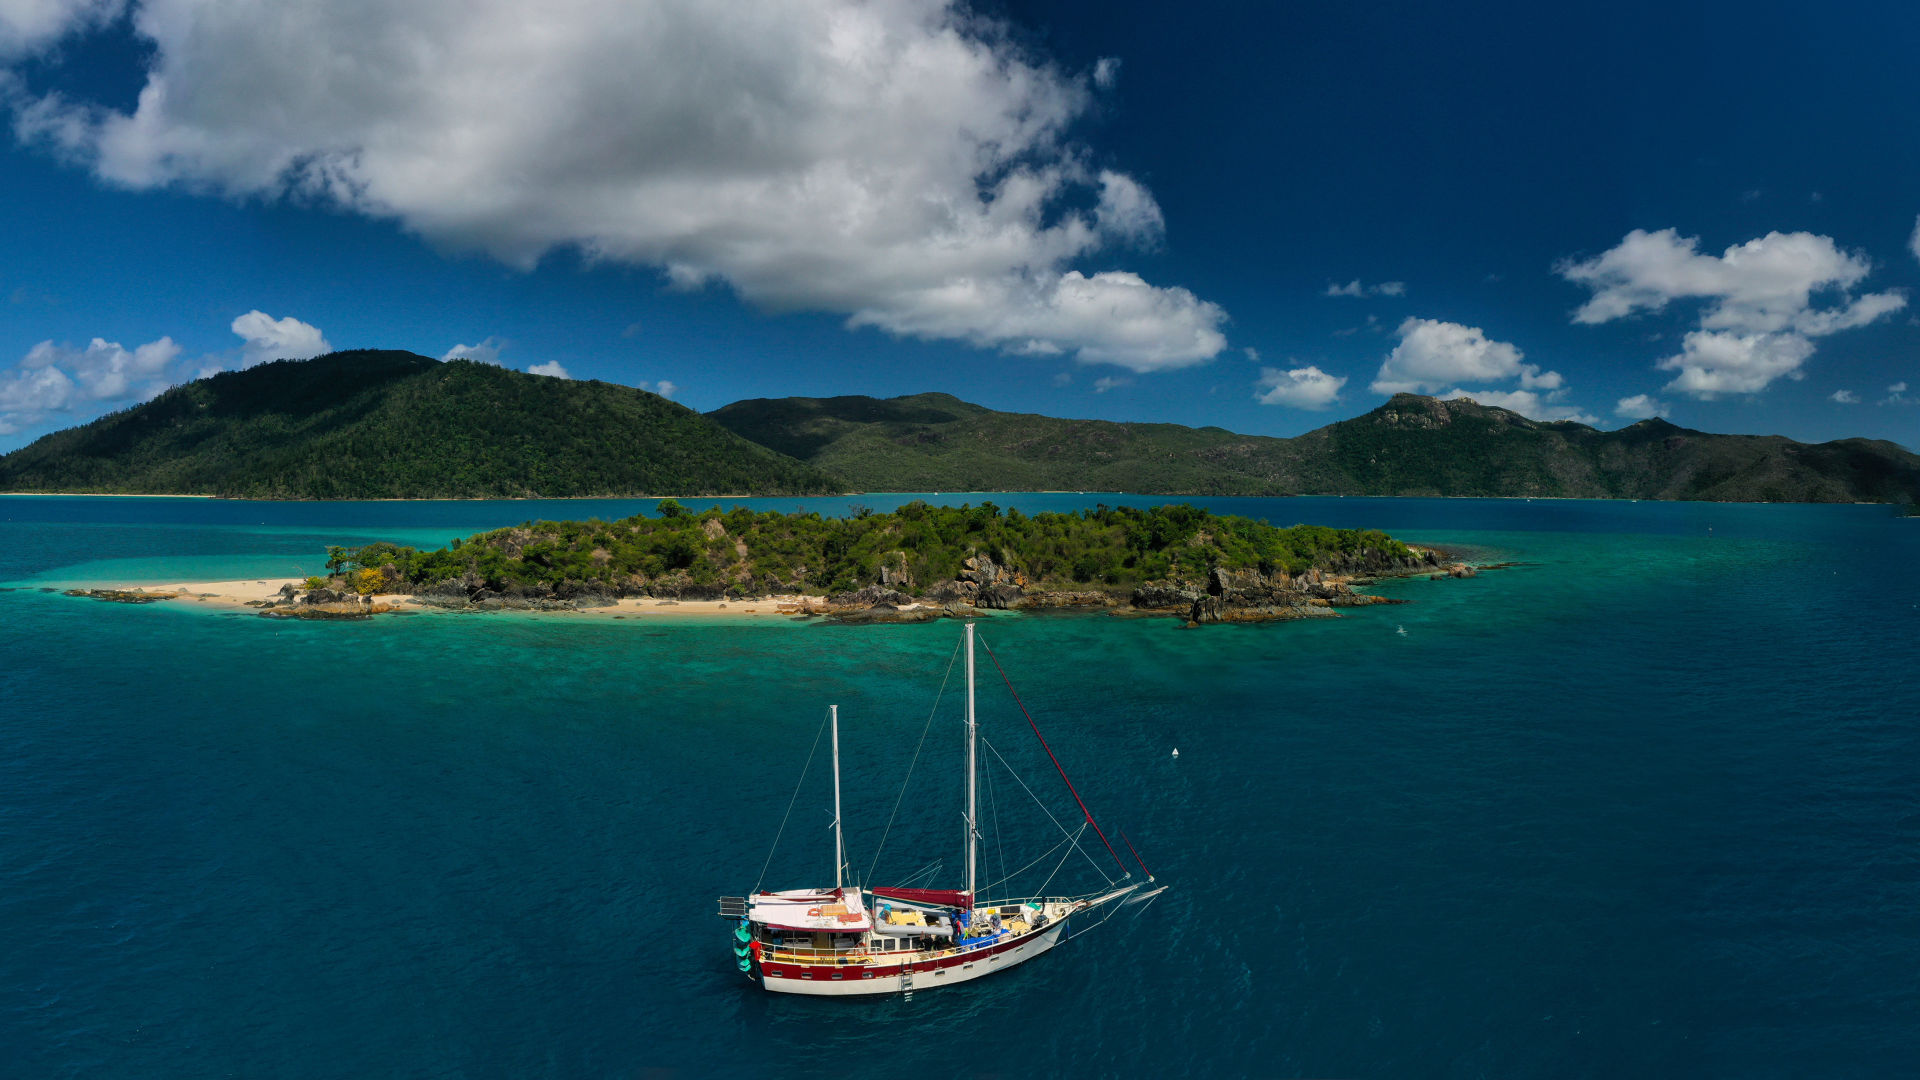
972, 784
839, 838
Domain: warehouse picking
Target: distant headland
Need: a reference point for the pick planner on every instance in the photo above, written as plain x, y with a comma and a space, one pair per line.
373, 424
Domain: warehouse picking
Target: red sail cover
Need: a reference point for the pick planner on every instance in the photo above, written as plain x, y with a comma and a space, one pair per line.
943, 897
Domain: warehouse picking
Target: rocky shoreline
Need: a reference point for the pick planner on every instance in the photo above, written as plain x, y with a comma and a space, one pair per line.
1223, 596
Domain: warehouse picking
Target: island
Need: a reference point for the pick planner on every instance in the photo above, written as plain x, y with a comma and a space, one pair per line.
916, 563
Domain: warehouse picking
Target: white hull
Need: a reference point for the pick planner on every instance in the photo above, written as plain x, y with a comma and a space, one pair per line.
956, 969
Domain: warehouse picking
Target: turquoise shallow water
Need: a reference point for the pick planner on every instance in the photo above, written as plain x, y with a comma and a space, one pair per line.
1647, 804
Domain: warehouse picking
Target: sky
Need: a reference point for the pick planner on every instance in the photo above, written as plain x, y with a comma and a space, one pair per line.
1261, 216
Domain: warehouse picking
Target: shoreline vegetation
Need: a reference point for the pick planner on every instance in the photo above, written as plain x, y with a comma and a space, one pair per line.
915, 564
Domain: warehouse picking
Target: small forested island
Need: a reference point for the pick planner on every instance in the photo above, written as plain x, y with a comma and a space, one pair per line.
918, 562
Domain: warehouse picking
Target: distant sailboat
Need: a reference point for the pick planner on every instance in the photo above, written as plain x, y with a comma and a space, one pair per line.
853, 940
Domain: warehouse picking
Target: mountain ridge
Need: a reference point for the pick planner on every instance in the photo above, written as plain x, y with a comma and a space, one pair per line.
376, 424
1410, 445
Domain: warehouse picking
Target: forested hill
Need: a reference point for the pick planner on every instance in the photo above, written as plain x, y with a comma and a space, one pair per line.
1412, 445
936, 442
374, 424
377, 424
1421, 445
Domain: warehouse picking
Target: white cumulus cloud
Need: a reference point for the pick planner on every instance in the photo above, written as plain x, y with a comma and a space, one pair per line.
1432, 354
1640, 407
268, 338
1716, 362
55, 378
27, 26
1106, 72
552, 367
487, 351
902, 162
1759, 312
1844, 397
1303, 388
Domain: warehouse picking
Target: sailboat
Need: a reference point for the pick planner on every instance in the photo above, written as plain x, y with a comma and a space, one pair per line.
852, 940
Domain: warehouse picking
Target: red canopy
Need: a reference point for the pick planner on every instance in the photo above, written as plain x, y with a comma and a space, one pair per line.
943, 897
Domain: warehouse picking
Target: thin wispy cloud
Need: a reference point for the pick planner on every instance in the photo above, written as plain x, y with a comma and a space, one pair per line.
1355, 288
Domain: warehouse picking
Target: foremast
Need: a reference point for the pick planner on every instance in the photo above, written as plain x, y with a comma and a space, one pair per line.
839, 834
973, 833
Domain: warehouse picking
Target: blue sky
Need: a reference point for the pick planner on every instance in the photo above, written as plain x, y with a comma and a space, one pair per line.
1265, 217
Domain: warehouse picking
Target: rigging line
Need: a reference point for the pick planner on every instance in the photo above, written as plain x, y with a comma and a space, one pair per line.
1064, 831
796, 798
1108, 913
897, 799
1056, 761
1049, 813
1063, 861
993, 806
1031, 865
1136, 853
927, 871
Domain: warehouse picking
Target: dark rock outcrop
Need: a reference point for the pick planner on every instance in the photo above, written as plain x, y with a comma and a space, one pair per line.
122, 596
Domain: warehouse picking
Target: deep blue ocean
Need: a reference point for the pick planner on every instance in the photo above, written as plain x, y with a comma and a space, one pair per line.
1646, 804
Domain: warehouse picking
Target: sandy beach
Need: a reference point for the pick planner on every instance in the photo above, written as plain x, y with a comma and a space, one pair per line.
244, 594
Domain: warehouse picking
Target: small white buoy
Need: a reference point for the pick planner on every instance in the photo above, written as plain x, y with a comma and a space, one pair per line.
1176, 751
